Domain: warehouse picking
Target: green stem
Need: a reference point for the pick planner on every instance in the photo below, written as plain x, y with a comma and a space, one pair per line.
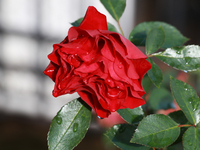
120, 28
185, 125
150, 55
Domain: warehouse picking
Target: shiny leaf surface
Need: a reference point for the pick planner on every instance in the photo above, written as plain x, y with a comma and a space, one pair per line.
172, 36
121, 134
131, 115
155, 39
155, 74
160, 99
186, 58
69, 126
115, 8
191, 139
187, 100
156, 131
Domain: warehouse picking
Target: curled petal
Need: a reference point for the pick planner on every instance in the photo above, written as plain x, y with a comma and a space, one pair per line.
94, 20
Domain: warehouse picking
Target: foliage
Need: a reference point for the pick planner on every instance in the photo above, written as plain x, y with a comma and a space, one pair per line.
143, 131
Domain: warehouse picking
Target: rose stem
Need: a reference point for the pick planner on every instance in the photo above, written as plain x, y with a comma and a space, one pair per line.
120, 28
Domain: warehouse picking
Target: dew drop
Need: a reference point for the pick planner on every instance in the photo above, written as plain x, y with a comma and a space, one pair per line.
59, 120
178, 52
87, 53
120, 66
108, 80
85, 81
186, 89
99, 117
75, 127
185, 71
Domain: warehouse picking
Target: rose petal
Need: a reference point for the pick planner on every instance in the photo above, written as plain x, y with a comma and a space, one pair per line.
94, 20
92, 101
51, 70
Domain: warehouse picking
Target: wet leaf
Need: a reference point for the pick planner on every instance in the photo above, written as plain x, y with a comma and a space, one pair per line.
69, 126
187, 100
191, 139
186, 58
156, 131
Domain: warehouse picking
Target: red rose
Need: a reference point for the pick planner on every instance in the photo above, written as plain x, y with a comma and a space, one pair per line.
104, 68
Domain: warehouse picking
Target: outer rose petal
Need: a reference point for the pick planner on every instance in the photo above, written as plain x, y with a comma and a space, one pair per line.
94, 20
51, 70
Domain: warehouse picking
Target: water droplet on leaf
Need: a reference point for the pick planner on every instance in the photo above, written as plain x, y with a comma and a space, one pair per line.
59, 120
178, 52
75, 127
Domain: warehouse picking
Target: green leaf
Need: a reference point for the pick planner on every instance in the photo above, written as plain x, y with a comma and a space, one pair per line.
69, 126
172, 36
155, 39
131, 115
155, 74
179, 117
121, 134
187, 99
156, 131
77, 22
114, 7
111, 27
186, 58
146, 83
191, 139
160, 99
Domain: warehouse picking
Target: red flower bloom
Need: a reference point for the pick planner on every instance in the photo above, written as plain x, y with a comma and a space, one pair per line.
104, 68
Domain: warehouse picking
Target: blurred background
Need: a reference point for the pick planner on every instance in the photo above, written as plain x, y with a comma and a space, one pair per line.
28, 29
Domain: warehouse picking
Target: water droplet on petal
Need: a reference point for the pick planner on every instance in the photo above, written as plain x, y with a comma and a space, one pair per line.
87, 53
75, 127
99, 117
120, 66
59, 87
59, 120
85, 81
